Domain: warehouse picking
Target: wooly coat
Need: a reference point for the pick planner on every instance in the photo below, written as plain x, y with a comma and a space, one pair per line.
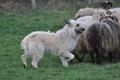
60, 43
114, 12
103, 38
95, 17
88, 12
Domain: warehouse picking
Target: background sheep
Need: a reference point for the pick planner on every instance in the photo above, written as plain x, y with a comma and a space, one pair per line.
90, 11
115, 12
103, 38
106, 5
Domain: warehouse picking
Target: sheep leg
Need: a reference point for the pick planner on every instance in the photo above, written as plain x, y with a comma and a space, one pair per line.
99, 55
99, 58
77, 57
92, 56
117, 55
81, 59
110, 56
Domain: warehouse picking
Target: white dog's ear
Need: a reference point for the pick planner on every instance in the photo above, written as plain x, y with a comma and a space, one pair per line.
67, 22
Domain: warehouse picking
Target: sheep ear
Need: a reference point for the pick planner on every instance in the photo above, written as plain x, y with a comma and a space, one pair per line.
67, 22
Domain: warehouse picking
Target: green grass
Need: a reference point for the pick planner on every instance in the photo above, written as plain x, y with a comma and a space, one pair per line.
14, 27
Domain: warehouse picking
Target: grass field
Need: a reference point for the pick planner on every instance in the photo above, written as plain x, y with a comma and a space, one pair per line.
14, 27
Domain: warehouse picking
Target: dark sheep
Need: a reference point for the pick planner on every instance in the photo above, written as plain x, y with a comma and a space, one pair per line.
103, 38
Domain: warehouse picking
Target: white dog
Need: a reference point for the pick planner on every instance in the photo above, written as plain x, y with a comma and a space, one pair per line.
60, 43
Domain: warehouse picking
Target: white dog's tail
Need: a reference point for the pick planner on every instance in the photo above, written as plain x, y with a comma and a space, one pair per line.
26, 40
24, 43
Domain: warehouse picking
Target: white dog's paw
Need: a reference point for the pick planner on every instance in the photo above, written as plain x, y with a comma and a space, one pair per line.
34, 65
65, 63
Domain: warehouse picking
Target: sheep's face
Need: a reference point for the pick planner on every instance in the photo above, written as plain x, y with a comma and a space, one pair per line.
75, 25
109, 18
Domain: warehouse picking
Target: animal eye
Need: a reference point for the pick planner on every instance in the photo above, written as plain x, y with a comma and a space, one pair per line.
77, 25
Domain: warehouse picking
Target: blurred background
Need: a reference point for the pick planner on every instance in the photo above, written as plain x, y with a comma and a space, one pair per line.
23, 5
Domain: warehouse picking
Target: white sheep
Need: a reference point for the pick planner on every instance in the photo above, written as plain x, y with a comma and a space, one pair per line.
114, 12
90, 11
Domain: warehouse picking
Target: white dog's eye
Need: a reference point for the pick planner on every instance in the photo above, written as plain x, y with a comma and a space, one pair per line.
77, 25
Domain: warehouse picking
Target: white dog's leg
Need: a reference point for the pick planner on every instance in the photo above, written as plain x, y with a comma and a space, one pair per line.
35, 60
69, 56
37, 56
24, 57
64, 62
65, 56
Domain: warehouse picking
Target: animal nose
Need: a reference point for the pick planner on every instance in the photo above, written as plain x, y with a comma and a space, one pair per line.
79, 30
83, 29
